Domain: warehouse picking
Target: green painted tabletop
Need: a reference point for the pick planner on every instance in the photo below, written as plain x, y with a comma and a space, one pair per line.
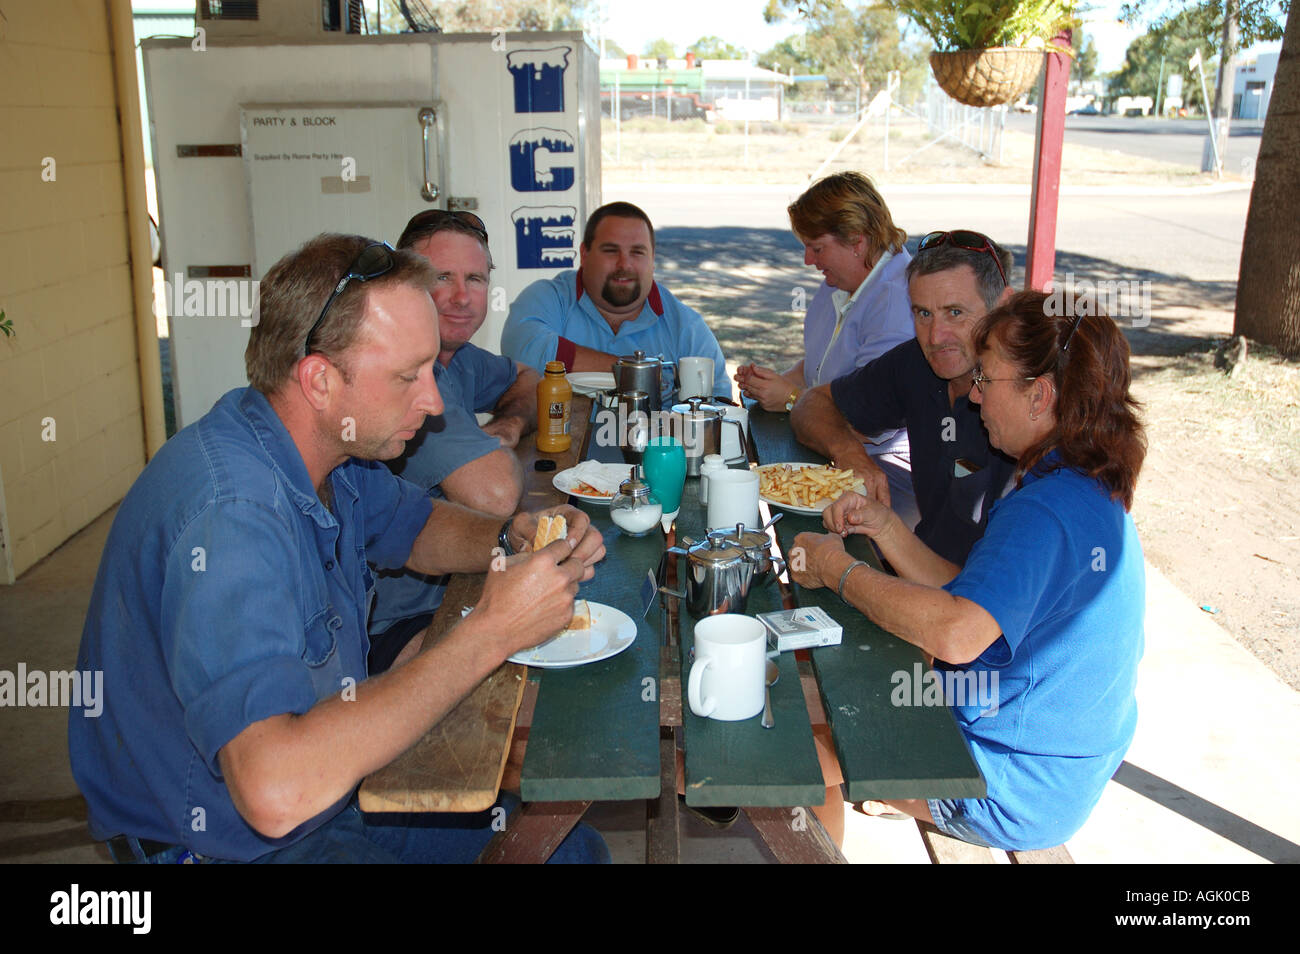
885, 751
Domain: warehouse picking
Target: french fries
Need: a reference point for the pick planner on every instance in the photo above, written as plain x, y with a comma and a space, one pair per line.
804, 486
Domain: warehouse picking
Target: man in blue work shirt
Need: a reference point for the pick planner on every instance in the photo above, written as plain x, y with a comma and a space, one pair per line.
452, 456
229, 612
611, 306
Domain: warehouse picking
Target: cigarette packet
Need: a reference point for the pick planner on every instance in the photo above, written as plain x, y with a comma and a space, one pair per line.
804, 628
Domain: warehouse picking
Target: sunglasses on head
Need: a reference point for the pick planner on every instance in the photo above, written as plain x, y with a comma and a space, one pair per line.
431, 220
970, 241
375, 259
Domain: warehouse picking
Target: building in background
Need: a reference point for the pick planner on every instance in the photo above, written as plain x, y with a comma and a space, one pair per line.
691, 89
1253, 86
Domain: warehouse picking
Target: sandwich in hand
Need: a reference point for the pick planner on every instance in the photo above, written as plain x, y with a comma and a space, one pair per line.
550, 529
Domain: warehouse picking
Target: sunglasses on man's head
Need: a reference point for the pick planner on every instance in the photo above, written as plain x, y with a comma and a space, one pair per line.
431, 220
375, 259
970, 241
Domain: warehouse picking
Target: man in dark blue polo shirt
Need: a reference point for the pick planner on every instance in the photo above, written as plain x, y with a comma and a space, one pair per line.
229, 612
953, 281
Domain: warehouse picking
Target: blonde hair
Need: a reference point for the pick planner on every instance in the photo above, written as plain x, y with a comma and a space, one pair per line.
846, 205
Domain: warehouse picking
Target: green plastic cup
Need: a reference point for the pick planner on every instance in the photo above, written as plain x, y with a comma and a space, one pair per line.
665, 471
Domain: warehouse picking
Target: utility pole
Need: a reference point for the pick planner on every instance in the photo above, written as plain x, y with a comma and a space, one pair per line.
1222, 112
1160, 85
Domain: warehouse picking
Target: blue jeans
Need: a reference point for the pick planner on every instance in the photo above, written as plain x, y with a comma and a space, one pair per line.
351, 837
950, 818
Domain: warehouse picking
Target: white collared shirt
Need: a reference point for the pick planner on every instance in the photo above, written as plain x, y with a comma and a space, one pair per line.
842, 301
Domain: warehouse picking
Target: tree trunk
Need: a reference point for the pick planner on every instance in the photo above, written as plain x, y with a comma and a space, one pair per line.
1268, 284
1221, 113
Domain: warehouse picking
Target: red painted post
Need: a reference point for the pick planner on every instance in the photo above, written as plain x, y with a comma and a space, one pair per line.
1046, 188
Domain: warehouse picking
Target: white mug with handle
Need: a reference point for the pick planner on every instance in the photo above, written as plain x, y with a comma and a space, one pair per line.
694, 378
728, 676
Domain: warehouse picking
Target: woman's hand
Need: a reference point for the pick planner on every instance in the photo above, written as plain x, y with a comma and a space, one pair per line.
811, 558
854, 513
764, 385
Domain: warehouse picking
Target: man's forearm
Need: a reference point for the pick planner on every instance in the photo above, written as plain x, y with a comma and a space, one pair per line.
287, 769
520, 400
589, 359
455, 539
818, 423
911, 559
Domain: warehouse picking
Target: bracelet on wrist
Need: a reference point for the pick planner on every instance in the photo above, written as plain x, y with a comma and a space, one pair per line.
844, 577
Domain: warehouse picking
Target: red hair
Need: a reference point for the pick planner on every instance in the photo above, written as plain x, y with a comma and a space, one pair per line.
1086, 357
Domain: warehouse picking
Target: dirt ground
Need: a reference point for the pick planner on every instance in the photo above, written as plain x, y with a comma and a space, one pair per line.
1216, 507
648, 151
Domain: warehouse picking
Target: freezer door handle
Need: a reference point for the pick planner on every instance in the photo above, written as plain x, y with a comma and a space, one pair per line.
427, 119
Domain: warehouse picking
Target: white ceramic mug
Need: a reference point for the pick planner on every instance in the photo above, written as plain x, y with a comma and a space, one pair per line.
733, 499
728, 676
694, 378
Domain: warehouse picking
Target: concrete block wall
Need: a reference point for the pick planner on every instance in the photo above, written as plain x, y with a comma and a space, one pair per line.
64, 282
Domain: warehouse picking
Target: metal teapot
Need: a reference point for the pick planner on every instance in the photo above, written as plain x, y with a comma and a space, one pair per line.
757, 547
637, 372
718, 575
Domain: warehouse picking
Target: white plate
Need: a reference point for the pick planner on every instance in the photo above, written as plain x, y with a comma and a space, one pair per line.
612, 631
590, 382
566, 483
821, 504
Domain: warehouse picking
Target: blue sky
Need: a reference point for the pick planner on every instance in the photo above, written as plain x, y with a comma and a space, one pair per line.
634, 23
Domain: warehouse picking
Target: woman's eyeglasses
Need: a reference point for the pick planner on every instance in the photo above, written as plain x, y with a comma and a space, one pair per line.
979, 379
375, 260
970, 241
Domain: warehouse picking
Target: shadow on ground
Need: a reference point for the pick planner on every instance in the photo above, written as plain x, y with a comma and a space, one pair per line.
753, 288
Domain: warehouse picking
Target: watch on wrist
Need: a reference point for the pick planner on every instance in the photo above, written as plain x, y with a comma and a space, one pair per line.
503, 539
790, 401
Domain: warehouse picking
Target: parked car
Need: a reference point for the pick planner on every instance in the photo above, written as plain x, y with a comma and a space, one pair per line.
1088, 109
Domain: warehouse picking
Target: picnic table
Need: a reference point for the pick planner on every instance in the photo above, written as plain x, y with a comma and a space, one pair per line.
610, 730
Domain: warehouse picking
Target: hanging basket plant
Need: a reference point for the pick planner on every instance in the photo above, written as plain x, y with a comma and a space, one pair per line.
989, 53
987, 77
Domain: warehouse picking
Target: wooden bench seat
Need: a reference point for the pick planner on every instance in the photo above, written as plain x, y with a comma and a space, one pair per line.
944, 849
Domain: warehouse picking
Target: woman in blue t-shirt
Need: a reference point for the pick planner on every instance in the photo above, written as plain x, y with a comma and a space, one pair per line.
1037, 637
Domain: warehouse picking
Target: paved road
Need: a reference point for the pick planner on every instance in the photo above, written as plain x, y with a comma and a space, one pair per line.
1171, 140
1183, 237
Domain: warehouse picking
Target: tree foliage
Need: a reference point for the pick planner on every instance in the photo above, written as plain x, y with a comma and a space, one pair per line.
715, 48
484, 16
1084, 66
856, 44
1174, 40
661, 47
1257, 19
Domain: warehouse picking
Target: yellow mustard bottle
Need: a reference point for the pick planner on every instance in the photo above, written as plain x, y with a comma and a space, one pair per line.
554, 399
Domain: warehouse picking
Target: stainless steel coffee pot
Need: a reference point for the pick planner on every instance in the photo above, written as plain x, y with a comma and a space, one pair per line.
700, 427
639, 372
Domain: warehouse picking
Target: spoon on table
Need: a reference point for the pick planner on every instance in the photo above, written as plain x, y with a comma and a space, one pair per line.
773, 674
